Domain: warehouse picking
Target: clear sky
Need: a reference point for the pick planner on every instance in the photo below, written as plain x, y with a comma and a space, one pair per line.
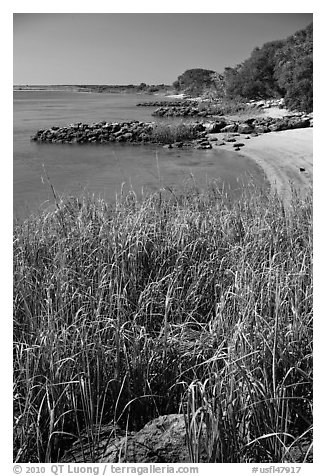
130, 48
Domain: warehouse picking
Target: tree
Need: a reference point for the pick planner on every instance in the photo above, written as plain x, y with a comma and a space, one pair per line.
254, 78
195, 81
278, 68
294, 70
219, 84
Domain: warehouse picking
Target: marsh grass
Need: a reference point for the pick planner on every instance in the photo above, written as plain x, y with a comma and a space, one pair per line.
184, 303
175, 132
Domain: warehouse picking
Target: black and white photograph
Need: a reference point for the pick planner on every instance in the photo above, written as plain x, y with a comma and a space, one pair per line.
162, 240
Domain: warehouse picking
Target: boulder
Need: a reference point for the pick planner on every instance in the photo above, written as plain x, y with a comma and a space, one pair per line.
162, 440
199, 127
127, 136
245, 128
262, 129
215, 127
203, 144
230, 128
299, 123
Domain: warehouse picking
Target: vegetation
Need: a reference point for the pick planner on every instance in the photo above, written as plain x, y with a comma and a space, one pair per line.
187, 303
100, 88
176, 132
294, 70
195, 81
254, 78
281, 68
225, 106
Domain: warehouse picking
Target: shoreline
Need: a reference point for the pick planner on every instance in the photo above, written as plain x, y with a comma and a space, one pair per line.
286, 158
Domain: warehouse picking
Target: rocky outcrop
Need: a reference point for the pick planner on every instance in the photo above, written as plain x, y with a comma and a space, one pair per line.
162, 440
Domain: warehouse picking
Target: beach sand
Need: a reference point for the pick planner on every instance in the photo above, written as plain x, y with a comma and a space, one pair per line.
281, 155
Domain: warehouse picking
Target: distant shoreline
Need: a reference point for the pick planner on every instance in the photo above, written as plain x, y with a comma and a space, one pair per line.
101, 89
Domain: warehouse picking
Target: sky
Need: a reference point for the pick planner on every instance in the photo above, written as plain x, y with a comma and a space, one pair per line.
130, 48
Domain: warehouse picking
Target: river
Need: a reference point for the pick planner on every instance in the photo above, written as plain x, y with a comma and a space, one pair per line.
103, 168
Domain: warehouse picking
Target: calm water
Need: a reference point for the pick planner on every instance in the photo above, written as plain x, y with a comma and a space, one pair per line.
102, 168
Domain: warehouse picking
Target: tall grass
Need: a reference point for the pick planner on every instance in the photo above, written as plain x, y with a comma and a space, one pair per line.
223, 107
176, 132
184, 304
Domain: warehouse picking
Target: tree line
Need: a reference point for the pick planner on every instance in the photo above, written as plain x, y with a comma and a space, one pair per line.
282, 68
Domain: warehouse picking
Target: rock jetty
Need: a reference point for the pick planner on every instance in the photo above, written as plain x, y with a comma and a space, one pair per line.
196, 134
178, 103
100, 132
262, 125
190, 110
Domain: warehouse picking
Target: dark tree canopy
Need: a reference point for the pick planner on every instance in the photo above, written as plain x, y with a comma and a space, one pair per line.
294, 70
282, 68
279, 68
195, 81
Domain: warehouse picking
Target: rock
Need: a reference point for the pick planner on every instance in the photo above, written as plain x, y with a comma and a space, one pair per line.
262, 129
215, 127
245, 129
238, 144
199, 127
204, 145
302, 169
163, 440
298, 123
135, 132
127, 136
230, 128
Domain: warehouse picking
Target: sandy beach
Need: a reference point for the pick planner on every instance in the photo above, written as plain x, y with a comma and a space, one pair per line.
285, 156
